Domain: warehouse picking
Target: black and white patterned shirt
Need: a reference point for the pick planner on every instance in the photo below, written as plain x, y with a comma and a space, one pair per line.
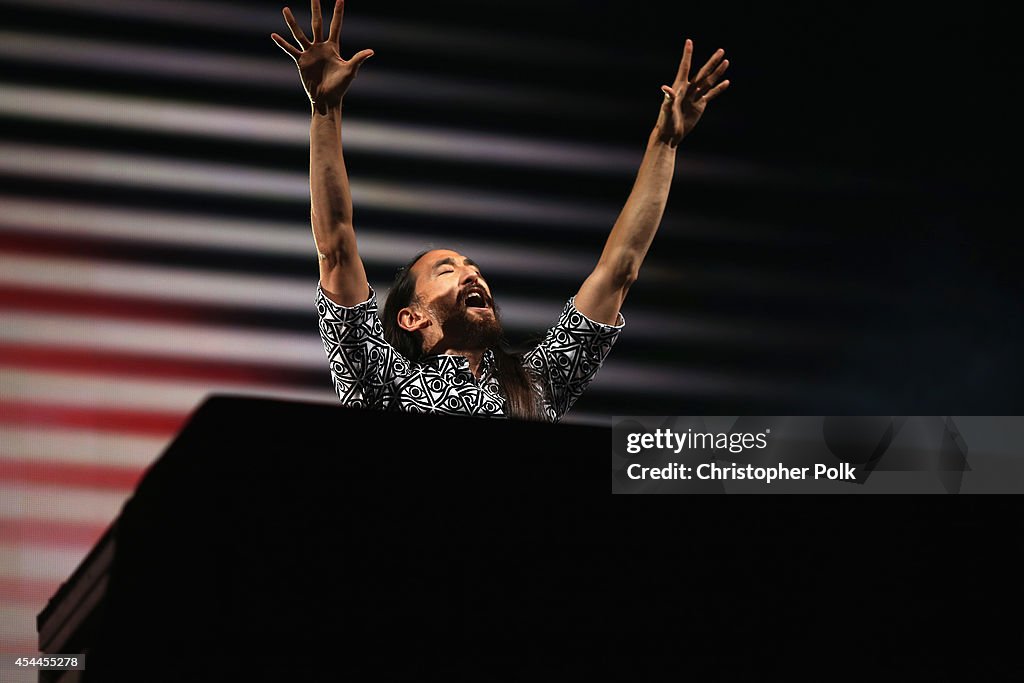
370, 373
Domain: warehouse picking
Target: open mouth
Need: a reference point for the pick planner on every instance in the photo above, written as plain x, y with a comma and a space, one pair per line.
476, 298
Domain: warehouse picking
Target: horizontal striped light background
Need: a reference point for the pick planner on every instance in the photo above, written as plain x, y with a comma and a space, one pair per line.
155, 245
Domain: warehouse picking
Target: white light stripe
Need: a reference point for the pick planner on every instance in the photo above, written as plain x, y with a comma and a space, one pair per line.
165, 116
225, 17
155, 62
59, 163
156, 227
359, 27
186, 118
79, 447
106, 391
376, 246
18, 625
178, 285
202, 342
55, 163
60, 503
278, 71
41, 563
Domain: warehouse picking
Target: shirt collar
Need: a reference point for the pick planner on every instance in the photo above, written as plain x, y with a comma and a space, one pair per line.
445, 361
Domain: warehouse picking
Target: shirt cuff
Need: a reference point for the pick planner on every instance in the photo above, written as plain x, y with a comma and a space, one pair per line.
333, 311
320, 294
616, 327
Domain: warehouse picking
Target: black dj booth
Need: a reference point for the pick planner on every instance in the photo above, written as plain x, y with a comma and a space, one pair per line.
285, 535
299, 541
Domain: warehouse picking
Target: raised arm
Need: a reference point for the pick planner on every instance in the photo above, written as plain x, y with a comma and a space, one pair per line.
602, 293
326, 78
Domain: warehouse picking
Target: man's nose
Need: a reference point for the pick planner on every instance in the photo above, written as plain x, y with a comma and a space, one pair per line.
470, 277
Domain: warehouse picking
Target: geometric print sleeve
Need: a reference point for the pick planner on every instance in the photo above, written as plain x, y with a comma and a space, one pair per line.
568, 358
364, 367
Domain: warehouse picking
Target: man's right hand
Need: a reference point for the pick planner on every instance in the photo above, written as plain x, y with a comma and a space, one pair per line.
325, 75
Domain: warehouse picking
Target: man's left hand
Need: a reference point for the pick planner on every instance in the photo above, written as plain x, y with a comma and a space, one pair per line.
686, 99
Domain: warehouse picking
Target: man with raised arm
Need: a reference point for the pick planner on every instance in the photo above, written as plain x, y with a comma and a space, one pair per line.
439, 347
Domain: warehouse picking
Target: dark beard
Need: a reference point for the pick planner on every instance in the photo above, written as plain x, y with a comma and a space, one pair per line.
466, 332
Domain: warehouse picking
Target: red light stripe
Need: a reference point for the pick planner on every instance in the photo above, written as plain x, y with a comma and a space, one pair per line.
50, 533
14, 297
156, 423
28, 242
20, 591
23, 647
112, 477
96, 362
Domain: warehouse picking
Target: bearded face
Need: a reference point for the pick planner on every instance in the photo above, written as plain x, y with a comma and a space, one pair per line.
451, 309
471, 320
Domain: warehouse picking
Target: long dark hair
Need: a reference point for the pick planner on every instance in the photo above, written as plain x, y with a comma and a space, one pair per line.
521, 398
